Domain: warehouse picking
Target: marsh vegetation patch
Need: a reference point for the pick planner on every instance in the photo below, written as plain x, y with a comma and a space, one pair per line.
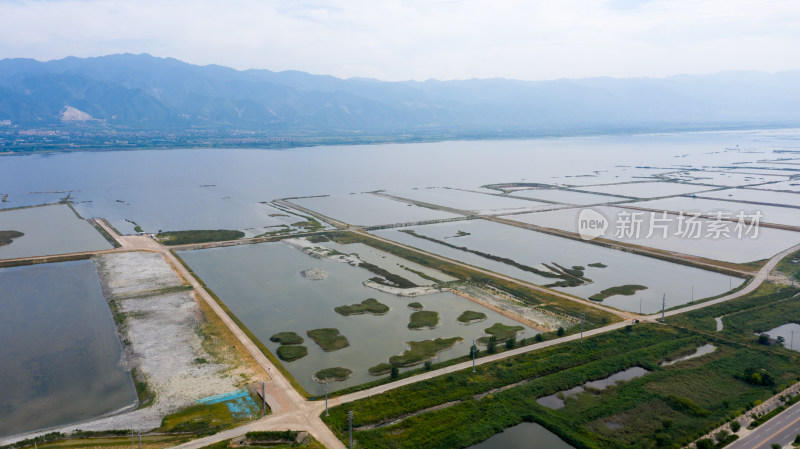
329, 339
425, 319
370, 305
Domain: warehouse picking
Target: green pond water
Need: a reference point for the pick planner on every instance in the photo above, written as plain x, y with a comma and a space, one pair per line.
60, 355
262, 285
524, 436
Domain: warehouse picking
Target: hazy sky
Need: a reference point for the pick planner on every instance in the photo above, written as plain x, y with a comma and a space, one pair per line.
411, 39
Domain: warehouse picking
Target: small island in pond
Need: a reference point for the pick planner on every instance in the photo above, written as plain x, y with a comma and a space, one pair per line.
371, 306
426, 319
290, 353
287, 338
625, 290
335, 374
500, 332
415, 306
329, 339
470, 316
7, 236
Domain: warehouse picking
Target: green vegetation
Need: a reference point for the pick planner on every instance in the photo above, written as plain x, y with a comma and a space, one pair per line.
270, 439
419, 351
790, 266
290, 353
386, 277
112, 439
425, 319
501, 332
7, 236
317, 238
335, 374
543, 300
598, 265
669, 407
370, 305
329, 339
626, 290
471, 316
105, 234
415, 306
202, 419
380, 369
201, 236
287, 338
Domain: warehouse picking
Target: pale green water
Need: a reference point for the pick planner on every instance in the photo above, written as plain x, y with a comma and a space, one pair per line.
60, 353
261, 284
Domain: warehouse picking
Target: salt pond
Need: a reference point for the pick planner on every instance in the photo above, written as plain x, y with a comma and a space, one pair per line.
48, 230
756, 196
60, 355
365, 209
769, 214
645, 189
534, 248
724, 178
768, 242
524, 436
478, 203
568, 196
792, 186
261, 284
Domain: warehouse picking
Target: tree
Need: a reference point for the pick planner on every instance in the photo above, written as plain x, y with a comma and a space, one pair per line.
776, 446
780, 340
797, 439
735, 426
395, 372
428, 365
474, 351
510, 343
538, 337
561, 332
763, 339
491, 347
721, 435
704, 443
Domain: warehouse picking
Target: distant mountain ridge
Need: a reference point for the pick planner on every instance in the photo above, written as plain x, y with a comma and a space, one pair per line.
133, 92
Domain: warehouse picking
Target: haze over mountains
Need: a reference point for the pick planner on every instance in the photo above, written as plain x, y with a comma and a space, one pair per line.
140, 92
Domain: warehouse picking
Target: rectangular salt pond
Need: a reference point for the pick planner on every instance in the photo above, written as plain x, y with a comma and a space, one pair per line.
364, 209
756, 196
60, 355
646, 189
524, 436
723, 178
568, 196
769, 214
791, 186
534, 248
768, 243
262, 285
471, 202
48, 230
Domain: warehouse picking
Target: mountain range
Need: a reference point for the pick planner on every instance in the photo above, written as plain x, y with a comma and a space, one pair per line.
142, 92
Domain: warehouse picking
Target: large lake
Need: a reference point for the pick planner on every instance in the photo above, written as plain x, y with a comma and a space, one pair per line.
60, 355
224, 188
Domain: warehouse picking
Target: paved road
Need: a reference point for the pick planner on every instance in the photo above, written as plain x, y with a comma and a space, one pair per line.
781, 429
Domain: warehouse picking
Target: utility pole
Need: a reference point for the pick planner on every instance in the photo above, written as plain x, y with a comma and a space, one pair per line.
692, 293
326, 396
474, 350
263, 398
640, 304
350, 421
583, 315
791, 342
663, 306
140, 439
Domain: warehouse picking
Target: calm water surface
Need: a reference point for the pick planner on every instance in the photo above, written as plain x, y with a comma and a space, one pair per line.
524, 436
60, 355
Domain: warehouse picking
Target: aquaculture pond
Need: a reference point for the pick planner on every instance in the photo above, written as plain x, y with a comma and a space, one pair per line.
724, 178
368, 210
474, 202
768, 241
60, 355
757, 196
611, 268
568, 196
206, 188
769, 214
262, 285
48, 230
646, 189
524, 436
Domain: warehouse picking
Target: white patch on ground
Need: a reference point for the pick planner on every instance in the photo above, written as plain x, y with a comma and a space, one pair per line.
164, 343
70, 114
321, 252
135, 272
406, 292
543, 318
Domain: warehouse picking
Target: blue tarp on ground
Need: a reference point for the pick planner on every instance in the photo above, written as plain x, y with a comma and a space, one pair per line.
239, 403
223, 397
